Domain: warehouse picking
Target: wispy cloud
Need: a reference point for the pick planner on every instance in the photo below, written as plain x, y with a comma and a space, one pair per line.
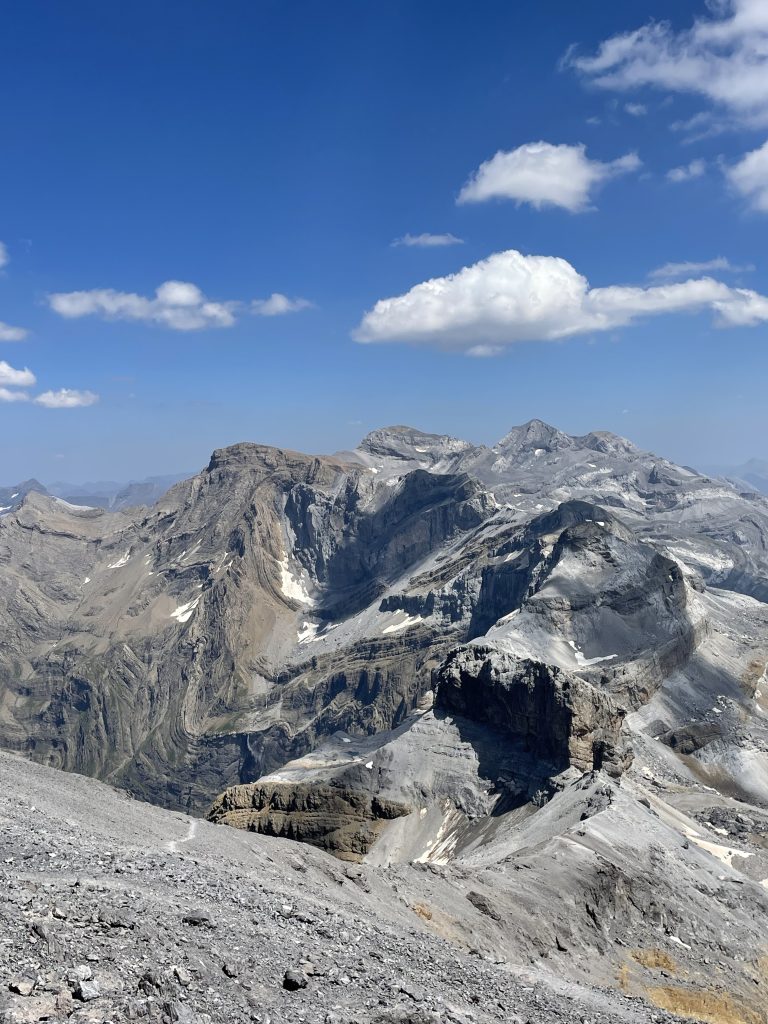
510, 297
695, 169
7, 395
427, 240
718, 264
723, 58
66, 398
636, 109
8, 333
543, 174
278, 305
4, 257
703, 125
749, 177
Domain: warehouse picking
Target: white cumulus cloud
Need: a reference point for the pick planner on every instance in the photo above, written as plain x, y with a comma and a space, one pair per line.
510, 297
543, 174
278, 305
723, 58
8, 333
11, 377
750, 177
176, 304
66, 398
427, 240
695, 169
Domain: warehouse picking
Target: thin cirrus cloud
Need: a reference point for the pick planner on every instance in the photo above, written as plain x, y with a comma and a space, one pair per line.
178, 305
543, 174
4, 257
14, 385
695, 169
279, 305
426, 240
510, 297
684, 269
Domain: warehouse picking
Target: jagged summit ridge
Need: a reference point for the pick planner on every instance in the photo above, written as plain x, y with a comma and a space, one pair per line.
406, 442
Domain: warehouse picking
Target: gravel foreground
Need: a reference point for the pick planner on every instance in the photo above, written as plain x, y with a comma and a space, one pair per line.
115, 910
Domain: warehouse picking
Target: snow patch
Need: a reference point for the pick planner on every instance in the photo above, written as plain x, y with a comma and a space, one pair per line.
86, 580
121, 561
184, 611
723, 853
68, 504
308, 632
586, 662
407, 622
293, 586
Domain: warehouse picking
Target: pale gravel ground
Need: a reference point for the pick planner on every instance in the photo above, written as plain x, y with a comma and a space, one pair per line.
96, 880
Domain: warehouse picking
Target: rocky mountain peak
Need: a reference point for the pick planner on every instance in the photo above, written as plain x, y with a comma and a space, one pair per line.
533, 435
607, 443
11, 497
409, 443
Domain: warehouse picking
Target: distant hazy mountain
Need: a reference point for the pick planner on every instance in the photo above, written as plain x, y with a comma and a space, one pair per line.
11, 497
115, 494
754, 473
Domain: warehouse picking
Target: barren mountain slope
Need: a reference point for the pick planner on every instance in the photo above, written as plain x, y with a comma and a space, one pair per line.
117, 910
277, 598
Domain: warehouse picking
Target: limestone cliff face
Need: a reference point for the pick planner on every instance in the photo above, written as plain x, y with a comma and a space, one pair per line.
572, 622
163, 650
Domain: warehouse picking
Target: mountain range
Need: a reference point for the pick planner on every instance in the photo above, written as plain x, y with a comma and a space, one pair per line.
107, 494
527, 681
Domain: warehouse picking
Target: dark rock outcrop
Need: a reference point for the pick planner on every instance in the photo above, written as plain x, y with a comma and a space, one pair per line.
341, 820
559, 718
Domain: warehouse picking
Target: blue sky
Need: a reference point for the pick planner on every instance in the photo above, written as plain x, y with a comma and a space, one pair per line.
265, 155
